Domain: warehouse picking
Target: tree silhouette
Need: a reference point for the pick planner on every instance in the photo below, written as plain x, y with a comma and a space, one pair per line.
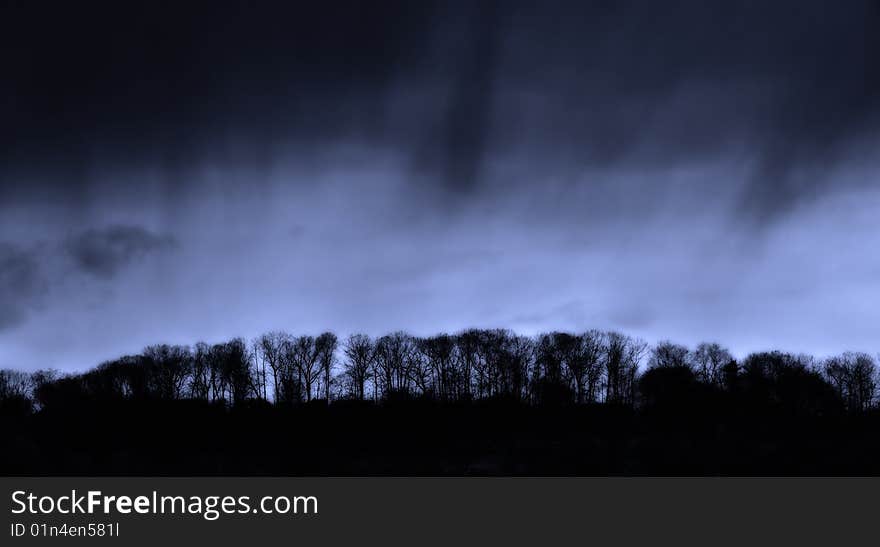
605, 393
622, 357
709, 360
360, 355
325, 347
854, 376
668, 355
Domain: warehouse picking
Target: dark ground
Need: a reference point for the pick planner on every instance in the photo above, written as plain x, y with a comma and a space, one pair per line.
421, 438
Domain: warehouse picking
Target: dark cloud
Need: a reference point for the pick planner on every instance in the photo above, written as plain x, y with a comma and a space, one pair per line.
104, 252
22, 284
668, 168
789, 86
456, 145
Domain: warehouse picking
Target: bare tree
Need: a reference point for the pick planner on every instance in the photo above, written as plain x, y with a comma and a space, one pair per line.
393, 359
200, 377
231, 371
518, 358
710, 360
360, 356
551, 352
168, 369
467, 354
420, 370
271, 347
289, 383
854, 376
439, 352
622, 357
483, 361
583, 361
39, 381
15, 384
304, 354
667, 355
325, 346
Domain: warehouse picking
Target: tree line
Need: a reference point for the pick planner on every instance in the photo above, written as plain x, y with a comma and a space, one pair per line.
592, 367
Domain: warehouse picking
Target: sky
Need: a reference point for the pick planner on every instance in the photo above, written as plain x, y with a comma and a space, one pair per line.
691, 171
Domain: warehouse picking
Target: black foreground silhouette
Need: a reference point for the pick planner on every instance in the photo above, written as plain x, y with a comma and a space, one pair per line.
480, 402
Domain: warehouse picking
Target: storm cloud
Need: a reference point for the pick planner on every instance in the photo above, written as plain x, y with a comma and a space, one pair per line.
680, 170
22, 284
452, 86
103, 252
